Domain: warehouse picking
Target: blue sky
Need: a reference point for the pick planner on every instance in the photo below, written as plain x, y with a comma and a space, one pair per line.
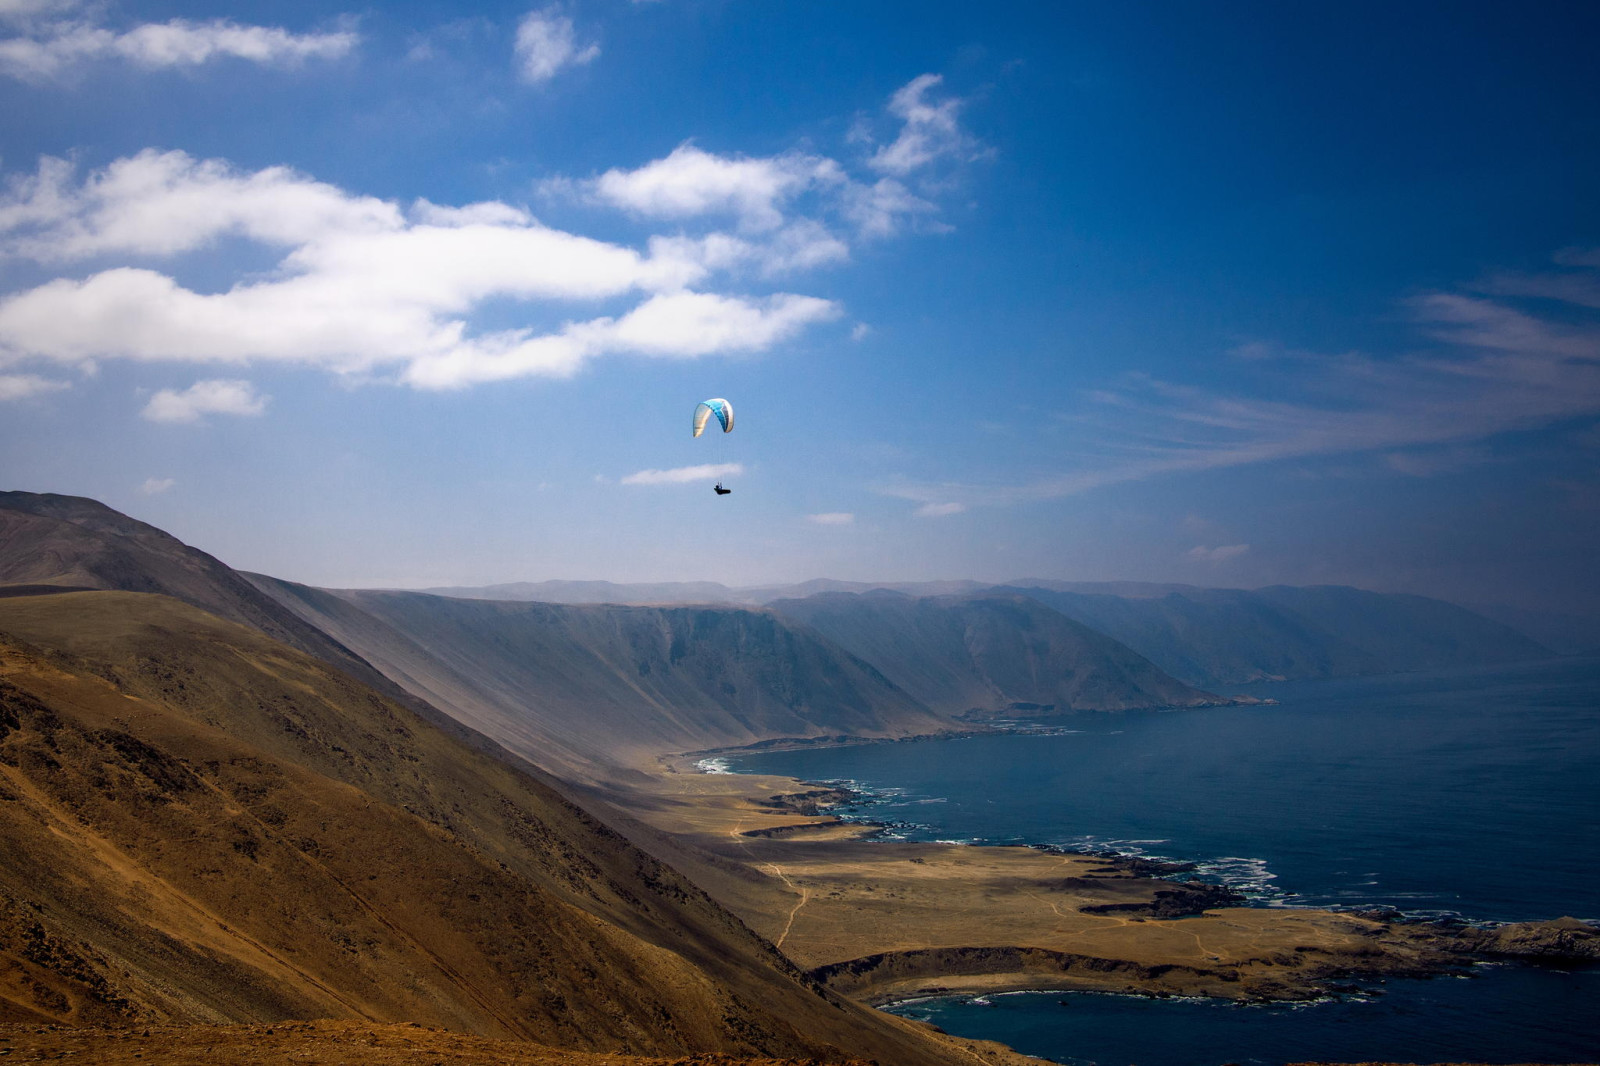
416, 294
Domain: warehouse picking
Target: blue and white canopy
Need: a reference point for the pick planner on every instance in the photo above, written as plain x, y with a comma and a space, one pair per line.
719, 407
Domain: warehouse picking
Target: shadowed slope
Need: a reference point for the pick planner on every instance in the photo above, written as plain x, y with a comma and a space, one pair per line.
582, 689
201, 824
990, 653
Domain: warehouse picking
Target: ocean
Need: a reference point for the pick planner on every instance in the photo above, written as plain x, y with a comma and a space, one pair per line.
1469, 793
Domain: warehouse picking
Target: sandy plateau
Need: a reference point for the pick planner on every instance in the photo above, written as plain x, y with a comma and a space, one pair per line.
880, 920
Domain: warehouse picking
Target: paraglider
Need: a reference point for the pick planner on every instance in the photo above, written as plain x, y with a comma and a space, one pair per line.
706, 408
702, 415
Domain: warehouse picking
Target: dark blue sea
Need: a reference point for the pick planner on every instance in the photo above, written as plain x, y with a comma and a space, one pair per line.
1471, 793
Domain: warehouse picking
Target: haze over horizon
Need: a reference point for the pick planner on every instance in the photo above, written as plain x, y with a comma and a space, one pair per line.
424, 295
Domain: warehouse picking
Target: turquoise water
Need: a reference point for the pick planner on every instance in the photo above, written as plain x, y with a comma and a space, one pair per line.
1470, 793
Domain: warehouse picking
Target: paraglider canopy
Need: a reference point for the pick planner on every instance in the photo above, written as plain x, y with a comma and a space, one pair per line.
706, 408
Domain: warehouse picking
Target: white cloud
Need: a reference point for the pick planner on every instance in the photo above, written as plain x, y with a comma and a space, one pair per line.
939, 510
800, 245
205, 398
832, 518
879, 209
690, 324
684, 474
692, 182
787, 207
154, 486
860, 331
59, 47
547, 44
162, 203
363, 285
22, 386
1217, 555
929, 131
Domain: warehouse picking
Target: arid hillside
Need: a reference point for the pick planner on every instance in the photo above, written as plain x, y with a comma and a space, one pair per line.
583, 689
201, 824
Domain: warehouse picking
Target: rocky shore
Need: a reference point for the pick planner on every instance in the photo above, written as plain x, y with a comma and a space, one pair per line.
882, 920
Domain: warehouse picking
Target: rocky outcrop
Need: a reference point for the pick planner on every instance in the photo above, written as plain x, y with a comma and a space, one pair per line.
1564, 939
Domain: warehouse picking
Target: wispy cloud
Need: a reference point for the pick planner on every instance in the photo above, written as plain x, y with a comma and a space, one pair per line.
832, 518
683, 474
547, 44
1493, 368
214, 397
940, 510
1217, 555
929, 131
1428, 462
364, 286
155, 486
22, 386
56, 47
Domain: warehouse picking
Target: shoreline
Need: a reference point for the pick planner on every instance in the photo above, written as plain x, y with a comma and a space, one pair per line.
902, 920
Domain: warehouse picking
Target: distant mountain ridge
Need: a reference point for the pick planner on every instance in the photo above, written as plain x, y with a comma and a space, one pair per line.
681, 592
986, 654
1202, 636
1234, 636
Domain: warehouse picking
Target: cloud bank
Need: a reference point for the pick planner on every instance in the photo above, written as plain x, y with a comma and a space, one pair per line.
374, 289
363, 285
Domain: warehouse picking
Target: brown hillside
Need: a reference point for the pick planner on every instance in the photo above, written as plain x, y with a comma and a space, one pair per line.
200, 824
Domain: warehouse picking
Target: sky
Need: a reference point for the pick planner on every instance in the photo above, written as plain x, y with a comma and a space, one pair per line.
414, 294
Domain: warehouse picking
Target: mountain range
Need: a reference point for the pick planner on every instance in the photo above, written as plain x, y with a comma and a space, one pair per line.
233, 798
1204, 637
